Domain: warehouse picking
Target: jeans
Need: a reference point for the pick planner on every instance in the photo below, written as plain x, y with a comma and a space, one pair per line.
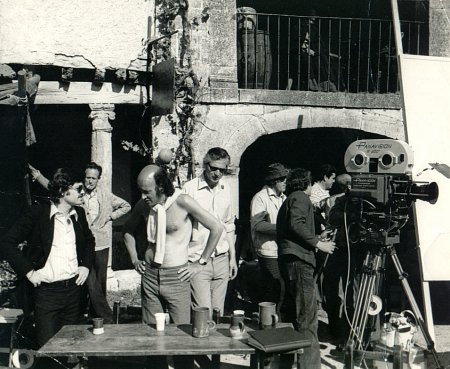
273, 283
209, 287
55, 305
300, 305
96, 283
161, 288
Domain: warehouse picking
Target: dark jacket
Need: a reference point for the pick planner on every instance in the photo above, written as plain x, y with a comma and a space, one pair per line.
37, 228
295, 228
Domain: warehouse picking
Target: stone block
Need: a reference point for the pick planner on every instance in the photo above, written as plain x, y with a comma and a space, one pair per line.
124, 280
244, 109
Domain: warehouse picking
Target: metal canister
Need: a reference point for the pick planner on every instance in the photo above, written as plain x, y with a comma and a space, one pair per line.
216, 315
116, 312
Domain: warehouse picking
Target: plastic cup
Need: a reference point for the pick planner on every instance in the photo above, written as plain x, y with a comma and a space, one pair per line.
160, 321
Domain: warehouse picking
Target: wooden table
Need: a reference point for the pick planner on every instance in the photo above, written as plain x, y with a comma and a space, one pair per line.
144, 340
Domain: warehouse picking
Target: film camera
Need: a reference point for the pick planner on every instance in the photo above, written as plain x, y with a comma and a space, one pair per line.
383, 188
382, 192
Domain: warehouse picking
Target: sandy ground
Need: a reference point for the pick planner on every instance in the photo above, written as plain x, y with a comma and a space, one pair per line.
333, 359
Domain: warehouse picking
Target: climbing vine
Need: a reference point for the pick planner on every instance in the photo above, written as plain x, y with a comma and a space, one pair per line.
187, 83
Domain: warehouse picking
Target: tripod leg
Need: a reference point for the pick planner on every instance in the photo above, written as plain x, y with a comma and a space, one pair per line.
374, 283
415, 308
360, 298
366, 291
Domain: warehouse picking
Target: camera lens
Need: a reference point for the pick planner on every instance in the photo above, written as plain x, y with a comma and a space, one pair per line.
387, 160
359, 159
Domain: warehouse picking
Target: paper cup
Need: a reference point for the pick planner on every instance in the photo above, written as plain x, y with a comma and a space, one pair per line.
160, 321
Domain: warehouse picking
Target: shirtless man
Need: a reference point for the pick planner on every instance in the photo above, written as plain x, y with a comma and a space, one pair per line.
168, 217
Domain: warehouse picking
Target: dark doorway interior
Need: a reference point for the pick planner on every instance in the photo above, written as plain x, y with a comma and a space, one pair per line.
307, 148
63, 134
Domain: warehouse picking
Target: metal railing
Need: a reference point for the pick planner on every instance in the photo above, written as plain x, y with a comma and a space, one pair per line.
284, 52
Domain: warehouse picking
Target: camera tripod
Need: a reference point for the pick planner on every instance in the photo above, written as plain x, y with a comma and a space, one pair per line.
370, 284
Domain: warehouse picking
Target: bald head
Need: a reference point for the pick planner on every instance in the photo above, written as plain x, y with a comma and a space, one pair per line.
344, 179
342, 184
147, 172
154, 184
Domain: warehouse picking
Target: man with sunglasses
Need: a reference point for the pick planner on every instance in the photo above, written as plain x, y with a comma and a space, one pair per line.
101, 207
58, 255
264, 210
209, 278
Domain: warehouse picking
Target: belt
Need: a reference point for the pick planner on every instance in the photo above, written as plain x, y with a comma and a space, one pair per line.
158, 266
222, 254
66, 283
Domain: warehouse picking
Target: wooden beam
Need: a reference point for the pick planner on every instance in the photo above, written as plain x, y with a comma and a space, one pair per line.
52, 92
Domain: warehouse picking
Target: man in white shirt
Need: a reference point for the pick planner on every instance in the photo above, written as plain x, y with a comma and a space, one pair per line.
59, 254
264, 211
213, 193
324, 179
101, 207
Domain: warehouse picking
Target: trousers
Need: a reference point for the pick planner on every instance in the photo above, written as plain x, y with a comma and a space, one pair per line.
162, 289
272, 281
300, 305
209, 287
55, 304
96, 284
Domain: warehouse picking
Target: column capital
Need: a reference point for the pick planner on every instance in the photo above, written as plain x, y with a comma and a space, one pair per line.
101, 114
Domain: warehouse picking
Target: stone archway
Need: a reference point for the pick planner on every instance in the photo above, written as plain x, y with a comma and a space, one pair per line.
236, 127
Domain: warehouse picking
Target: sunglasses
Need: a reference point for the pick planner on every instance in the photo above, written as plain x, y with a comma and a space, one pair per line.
214, 169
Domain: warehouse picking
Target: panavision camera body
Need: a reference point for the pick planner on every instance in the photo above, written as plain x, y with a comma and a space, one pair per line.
381, 171
382, 156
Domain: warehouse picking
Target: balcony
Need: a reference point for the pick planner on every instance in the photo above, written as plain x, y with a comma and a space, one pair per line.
326, 54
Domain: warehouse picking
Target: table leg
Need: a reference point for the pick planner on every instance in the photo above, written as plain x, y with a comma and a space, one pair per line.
215, 361
254, 361
257, 360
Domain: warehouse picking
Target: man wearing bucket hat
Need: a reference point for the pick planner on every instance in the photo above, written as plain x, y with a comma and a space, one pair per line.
263, 211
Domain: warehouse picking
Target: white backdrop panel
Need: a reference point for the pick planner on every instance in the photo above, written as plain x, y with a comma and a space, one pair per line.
426, 93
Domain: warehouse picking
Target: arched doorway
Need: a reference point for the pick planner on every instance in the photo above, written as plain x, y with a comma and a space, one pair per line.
306, 148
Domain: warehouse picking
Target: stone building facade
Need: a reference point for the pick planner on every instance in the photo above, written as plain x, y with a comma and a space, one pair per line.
109, 36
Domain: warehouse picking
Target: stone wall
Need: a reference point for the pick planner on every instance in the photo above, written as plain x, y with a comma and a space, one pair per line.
439, 28
80, 34
236, 126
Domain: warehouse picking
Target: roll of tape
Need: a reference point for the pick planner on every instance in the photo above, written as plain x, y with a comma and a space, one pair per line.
22, 359
375, 305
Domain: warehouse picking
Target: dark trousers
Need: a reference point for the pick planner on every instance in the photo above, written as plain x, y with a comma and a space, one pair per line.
335, 292
96, 285
56, 304
272, 282
300, 305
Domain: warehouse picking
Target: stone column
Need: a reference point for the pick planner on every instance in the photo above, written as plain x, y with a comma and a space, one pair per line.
101, 150
439, 28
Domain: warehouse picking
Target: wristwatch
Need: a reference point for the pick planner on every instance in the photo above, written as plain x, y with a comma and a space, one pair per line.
202, 261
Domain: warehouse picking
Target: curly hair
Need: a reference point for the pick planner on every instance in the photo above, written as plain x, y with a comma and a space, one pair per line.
163, 182
298, 179
61, 182
325, 170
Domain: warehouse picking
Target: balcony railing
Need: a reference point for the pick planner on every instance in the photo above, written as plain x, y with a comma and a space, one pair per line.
282, 52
